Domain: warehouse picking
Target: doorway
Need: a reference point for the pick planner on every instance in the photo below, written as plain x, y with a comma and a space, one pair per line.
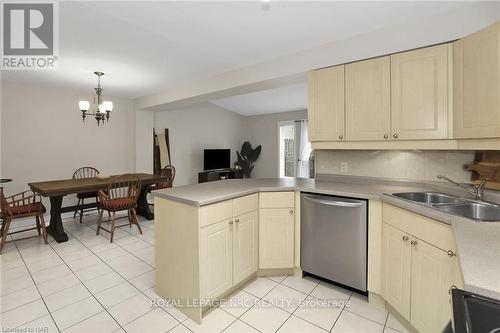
295, 155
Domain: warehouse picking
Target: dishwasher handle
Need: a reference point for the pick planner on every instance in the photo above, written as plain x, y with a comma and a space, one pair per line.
335, 203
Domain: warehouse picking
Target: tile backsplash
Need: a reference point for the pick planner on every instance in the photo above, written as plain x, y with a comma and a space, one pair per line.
396, 164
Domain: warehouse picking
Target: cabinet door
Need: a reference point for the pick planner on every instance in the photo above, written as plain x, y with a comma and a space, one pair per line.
326, 104
433, 274
245, 246
216, 259
368, 99
276, 234
476, 76
397, 269
419, 85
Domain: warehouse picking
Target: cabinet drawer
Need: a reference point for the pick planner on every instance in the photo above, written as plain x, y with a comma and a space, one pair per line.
276, 200
245, 204
433, 232
216, 212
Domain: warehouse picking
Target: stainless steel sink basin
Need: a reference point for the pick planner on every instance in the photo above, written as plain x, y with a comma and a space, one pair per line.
477, 210
473, 210
428, 197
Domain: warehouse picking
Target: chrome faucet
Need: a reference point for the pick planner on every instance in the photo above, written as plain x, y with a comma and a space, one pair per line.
477, 191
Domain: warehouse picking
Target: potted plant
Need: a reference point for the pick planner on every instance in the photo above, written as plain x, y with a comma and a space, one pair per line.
247, 157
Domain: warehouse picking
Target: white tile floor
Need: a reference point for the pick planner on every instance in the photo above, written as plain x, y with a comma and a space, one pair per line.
90, 285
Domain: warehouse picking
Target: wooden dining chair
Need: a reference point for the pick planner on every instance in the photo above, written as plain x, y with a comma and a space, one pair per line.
21, 205
82, 173
121, 195
169, 173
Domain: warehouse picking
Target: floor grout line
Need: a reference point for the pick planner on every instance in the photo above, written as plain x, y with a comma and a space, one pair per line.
357, 314
140, 291
299, 307
340, 314
43, 300
92, 295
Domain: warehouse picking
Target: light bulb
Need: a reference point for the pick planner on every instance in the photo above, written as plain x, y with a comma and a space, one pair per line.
108, 106
84, 105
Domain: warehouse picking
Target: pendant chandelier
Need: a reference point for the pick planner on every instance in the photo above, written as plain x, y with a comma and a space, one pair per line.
102, 109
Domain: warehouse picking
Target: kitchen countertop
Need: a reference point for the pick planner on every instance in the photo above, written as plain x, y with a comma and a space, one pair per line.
478, 246
478, 243
208, 193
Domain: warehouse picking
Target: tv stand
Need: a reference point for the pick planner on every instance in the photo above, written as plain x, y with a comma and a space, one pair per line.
214, 175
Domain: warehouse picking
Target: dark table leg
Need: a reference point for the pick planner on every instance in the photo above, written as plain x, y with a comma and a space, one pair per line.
55, 229
143, 208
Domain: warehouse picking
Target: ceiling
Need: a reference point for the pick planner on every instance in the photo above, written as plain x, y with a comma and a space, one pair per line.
144, 47
288, 98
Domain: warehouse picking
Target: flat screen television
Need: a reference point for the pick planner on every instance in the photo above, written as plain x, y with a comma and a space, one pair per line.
214, 159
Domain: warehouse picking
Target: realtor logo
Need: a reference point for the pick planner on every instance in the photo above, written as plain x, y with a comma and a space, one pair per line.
29, 35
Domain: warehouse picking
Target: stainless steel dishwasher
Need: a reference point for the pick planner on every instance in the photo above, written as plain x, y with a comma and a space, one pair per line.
333, 236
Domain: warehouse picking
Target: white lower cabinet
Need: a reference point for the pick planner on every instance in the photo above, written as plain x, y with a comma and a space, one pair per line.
245, 246
276, 229
433, 274
216, 259
417, 272
276, 238
397, 269
229, 247
228, 253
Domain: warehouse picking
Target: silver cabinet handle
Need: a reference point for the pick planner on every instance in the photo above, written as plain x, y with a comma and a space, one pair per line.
386, 136
406, 238
413, 242
341, 137
231, 222
395, 135
237, 220
451, 253
451, 289
291, 211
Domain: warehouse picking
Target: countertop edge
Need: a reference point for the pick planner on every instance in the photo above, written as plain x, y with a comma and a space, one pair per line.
258, 189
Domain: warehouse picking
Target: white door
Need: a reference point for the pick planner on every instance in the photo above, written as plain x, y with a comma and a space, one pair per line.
245, 246
276, 237
397, 269
476, 76
419, 94
216, 259
433, 274
368, 99
326, 108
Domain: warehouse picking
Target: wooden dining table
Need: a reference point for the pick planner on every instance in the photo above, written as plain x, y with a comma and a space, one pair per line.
57, 189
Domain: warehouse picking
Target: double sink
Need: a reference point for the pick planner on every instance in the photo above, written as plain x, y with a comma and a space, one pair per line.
477, 210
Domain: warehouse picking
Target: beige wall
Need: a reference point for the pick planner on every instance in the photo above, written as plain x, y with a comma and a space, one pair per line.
194, 128
263, 130
144, 124
43, 136
411, 165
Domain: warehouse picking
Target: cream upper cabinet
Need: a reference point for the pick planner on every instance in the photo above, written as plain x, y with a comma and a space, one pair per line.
368, 99
419, 93
476, 73
216, 258
433, 273
326, 104
276, 237
245, 246
397, 269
